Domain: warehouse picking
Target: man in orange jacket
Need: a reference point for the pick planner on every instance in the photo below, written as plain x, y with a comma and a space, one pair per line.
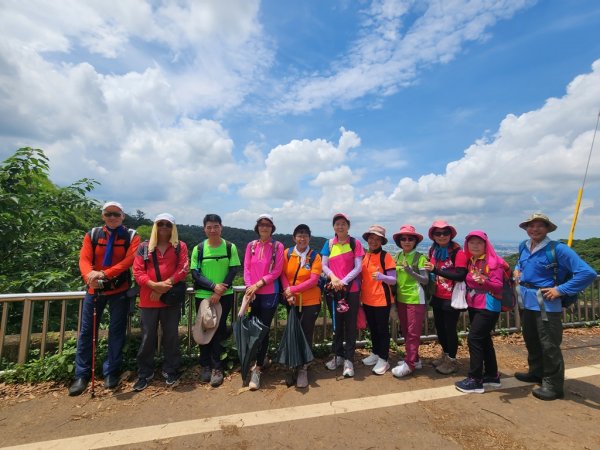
104, 261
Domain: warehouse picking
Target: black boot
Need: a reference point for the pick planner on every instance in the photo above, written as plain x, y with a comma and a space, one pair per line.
78, 386
543, 393
528, 377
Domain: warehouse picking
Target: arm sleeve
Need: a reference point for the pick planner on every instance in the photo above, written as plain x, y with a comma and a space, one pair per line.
388, 278
200, 281
315, 273
456, 274
325, 258
354, 272
306, 285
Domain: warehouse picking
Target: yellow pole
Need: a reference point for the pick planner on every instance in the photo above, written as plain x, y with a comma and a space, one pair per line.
577, 204
580, 193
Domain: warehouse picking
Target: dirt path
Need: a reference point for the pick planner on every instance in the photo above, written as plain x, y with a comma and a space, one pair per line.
506, 418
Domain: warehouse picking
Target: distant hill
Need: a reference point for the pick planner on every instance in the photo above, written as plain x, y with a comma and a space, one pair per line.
193, 234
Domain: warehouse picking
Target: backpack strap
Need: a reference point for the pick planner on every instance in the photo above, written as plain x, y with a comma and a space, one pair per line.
387, 290
552, 261
200, 254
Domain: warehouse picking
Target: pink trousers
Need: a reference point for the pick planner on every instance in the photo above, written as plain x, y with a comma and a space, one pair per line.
411, 318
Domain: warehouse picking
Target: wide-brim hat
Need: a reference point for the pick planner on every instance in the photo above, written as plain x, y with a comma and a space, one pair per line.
441, 224
377, 230
539, 216
207, 321
407, 230
268, 217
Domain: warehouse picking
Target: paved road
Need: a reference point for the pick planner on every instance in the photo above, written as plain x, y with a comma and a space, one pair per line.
423, 411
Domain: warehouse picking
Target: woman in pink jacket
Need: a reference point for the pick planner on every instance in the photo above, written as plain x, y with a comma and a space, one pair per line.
263, 263
484, 282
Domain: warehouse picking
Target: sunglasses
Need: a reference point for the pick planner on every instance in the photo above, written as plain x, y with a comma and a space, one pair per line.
164, 224
410, 239
442, 233
112, 214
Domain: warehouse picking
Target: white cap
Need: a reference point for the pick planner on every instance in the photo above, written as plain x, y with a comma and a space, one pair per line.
165, 216
117, 204
269, 217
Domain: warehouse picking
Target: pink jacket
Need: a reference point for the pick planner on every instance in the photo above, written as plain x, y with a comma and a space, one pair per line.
257, 262
491, 266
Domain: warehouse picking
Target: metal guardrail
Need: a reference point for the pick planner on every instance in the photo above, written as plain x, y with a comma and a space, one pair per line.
586, 310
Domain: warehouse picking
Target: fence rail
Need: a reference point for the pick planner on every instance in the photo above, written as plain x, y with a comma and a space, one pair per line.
586, 310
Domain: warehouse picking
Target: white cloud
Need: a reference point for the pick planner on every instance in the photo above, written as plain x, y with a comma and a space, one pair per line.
534, 162
289, 165
387, 56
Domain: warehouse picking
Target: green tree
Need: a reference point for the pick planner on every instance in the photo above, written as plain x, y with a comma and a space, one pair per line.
41, 225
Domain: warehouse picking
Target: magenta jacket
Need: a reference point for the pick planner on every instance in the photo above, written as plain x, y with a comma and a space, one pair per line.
257, 265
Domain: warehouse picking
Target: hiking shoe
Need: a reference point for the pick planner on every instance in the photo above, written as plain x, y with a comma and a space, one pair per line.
78, 386
449, 366
381, 367
492, 381
348, 369
302, 378
543, 393
528, 377
334, 363
216, 378
206, 374
437, 361
111, 381
370, 360
401, 370
172, 379
142, 383
418, 364
254, 384
470, 386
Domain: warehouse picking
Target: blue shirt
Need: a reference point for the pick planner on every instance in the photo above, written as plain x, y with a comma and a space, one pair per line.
536, 269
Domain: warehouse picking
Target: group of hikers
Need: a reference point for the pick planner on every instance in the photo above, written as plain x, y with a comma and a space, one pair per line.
357, 285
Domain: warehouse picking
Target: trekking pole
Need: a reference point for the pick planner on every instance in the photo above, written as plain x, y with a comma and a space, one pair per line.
94, 347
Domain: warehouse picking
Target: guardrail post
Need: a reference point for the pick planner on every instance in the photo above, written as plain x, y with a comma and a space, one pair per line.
25, 331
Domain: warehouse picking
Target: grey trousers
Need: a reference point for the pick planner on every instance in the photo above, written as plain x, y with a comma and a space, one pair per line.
543, 339
168, 318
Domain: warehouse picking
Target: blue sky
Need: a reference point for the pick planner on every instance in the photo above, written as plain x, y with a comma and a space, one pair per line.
478, 112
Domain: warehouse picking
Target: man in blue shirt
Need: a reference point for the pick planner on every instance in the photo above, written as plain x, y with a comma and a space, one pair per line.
542, 284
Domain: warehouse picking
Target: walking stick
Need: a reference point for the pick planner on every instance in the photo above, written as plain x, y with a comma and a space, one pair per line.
94, 347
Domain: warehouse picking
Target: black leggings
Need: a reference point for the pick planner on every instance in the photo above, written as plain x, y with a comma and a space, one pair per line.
308, 317
378, 319
446, 319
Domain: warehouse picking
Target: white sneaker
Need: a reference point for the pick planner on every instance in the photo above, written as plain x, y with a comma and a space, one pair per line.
418, 364
381, 367
348, 369
370, 360
334, 363
401, 370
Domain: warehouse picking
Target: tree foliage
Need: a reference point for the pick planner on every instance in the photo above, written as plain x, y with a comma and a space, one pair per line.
41, 225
